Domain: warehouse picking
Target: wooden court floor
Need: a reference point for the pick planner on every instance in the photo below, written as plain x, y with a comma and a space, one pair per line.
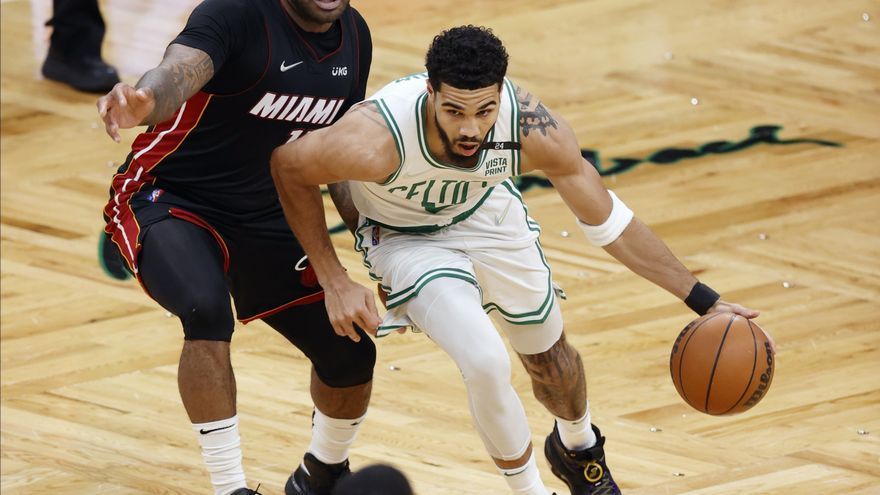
744, 132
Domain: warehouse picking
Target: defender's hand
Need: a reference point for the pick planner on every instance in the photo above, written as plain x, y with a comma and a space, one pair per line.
125, 107
350, 303
721, 306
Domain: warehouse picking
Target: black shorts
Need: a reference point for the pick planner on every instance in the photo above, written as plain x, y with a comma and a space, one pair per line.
266, 268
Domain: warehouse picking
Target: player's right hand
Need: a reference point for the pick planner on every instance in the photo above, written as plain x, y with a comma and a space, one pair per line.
125, 107
722, 306
349, 303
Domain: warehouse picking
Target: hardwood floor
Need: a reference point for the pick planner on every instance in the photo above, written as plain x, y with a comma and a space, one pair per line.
784, 219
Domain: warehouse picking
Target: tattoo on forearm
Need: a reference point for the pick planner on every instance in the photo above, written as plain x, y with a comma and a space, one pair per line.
558, 379
173, 82
533, 114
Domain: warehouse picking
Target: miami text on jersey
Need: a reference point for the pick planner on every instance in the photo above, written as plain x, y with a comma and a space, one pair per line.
297, 108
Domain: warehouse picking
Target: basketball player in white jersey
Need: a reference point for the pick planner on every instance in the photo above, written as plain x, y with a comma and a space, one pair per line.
442, 228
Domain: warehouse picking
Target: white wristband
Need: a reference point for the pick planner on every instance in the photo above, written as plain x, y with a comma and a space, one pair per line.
610, 230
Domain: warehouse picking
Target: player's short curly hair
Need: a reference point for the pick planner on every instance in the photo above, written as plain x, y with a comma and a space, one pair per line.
466, 57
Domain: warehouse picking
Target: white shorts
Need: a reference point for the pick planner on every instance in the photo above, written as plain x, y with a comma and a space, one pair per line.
496, 249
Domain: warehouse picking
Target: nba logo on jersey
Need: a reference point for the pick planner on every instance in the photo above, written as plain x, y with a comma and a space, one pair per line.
375, 236
154, 196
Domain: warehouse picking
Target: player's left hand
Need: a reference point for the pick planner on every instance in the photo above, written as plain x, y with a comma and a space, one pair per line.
721, 306
350, 303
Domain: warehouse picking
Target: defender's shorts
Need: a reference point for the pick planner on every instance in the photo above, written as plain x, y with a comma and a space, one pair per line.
266, 268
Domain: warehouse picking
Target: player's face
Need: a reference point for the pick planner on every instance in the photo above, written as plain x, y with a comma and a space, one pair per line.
317, 12
464, 118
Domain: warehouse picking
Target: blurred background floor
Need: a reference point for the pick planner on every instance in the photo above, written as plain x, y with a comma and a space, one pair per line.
787, 222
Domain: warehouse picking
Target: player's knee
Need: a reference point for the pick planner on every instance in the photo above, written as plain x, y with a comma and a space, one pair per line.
486, 369
207, 318
347, 365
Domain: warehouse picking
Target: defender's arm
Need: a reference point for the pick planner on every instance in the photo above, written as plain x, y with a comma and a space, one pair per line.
159, 93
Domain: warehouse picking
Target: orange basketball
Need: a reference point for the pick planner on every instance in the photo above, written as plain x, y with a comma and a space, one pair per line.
722, 363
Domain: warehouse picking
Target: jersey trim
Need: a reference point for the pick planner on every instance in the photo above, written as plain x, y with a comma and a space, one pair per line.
532, 317
395, 133
533, 225
309, 299
514, 127
308, 45
423, 142
151, 151
402, 296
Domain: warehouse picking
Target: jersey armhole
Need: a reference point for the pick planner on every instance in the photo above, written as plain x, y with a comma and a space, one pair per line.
516, 158
396, 134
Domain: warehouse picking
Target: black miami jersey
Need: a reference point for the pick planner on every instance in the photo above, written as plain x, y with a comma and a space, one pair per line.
273, 82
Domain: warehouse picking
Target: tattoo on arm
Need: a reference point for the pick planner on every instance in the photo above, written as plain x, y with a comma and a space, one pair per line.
182, 73
533, 114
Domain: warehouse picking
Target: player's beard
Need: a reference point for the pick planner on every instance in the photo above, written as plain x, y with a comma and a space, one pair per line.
448, 146
308, 11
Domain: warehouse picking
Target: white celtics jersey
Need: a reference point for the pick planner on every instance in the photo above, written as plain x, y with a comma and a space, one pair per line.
425, 194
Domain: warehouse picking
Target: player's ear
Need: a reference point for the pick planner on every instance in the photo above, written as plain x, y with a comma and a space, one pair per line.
429, 87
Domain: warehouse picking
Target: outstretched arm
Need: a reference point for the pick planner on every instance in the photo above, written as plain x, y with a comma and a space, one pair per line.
159, 93
549, 145
357, 147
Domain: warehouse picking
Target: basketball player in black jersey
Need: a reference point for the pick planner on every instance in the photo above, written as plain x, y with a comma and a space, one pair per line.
194, 212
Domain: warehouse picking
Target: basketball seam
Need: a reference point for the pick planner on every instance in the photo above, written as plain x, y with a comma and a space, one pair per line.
754, 365
681, 359
715, 364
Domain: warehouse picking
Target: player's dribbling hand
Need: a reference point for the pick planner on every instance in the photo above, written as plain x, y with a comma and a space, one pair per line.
125, 107
349, 303
726, 307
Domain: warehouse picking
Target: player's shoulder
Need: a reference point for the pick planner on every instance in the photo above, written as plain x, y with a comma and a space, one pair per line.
367, 127
358, 19
411, 86
546, 138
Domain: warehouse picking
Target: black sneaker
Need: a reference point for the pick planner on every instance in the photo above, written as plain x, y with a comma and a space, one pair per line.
584, 471
316, 478
89, 74
246, 491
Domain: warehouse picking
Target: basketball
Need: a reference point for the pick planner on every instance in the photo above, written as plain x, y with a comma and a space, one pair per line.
722, 363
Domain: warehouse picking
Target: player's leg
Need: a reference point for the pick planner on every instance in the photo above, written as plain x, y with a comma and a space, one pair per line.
518, 284
575, 447
341, 382
74, 54
449, 311
181, 266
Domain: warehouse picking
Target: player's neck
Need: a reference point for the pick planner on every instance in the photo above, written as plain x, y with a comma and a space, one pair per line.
303, 23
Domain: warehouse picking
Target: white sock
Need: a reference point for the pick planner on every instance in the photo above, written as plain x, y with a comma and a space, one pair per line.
577, 434
221, 448
332, 438
525, 480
